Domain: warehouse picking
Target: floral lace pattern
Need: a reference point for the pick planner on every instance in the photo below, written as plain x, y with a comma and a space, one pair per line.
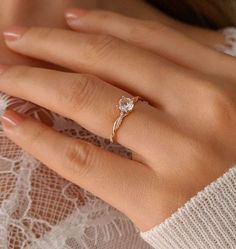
41, 210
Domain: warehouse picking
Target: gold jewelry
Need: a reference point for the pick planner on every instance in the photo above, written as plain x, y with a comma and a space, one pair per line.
126, 106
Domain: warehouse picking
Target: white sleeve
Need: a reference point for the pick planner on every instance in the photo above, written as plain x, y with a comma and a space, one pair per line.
207, 221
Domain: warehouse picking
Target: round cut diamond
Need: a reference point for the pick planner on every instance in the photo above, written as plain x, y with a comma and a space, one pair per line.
126, 104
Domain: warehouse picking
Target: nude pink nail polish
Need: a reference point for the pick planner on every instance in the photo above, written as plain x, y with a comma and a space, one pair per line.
11, 119
14, 33
73, 15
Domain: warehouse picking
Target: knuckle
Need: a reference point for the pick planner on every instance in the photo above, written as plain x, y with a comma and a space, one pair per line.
99, 46
17, 72
79, 157
81, 93
101, 15
154, 27
221, 107
144, 29
38, 134
44, 33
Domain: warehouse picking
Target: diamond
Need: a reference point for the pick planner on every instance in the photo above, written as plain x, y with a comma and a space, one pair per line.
126, 104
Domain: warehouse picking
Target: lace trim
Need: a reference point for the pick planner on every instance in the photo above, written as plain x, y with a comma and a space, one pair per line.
229, 47
38, 208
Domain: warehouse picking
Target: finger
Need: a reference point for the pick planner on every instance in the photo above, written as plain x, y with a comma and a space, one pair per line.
127, 66
154, 36
89, 101
202, 35
115, 179
143, 10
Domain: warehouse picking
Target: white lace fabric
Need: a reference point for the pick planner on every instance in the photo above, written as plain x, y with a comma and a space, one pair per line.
41, 210
230, 41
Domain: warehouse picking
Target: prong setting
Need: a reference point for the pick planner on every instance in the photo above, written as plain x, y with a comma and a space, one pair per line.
126, 105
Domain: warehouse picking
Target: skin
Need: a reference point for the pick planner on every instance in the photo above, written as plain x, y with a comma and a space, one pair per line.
183, 139
15, 12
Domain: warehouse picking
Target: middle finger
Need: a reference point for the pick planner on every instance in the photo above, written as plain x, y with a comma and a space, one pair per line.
116, 61
89, 101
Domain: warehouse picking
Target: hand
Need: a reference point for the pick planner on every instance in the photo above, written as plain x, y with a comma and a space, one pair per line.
183, 140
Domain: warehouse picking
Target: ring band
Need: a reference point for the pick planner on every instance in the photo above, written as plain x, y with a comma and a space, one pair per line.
126, 106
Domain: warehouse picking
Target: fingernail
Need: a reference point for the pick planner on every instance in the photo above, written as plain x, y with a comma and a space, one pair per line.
14, 33
73, 15
11, 119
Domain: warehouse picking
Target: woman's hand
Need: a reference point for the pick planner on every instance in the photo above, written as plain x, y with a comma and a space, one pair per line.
183, 140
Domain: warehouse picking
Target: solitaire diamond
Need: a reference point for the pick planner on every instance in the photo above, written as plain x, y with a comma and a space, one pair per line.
126, 104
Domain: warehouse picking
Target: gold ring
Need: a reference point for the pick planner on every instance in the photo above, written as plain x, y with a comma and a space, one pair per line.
126, 106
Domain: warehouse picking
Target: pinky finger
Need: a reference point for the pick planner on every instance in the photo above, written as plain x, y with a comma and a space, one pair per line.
117, 180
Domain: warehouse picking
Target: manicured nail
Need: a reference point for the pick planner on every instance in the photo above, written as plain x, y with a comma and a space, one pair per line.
73, 15
11, 119
14, 33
